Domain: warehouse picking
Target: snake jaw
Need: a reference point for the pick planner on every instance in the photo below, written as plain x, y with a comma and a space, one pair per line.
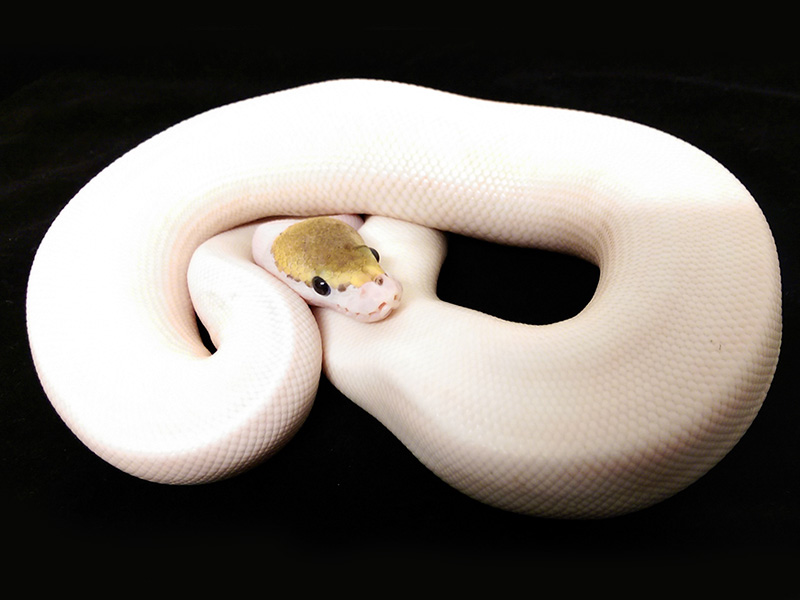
370, 302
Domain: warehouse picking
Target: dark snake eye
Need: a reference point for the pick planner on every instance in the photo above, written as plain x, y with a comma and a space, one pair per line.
375, 254
320, 286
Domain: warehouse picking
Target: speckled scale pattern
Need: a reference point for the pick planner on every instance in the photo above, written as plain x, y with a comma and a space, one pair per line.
610, 411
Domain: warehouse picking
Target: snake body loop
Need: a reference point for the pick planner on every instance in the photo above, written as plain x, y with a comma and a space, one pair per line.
604, 413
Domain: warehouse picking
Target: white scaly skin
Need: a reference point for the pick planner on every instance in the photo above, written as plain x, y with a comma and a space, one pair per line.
608, 412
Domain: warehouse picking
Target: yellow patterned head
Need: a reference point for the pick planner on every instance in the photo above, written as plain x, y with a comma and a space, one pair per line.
326, 261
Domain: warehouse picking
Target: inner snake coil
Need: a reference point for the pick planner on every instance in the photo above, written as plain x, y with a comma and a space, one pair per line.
610, 411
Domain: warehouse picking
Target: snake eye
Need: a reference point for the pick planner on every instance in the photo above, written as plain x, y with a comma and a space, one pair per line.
320, 286
375, 254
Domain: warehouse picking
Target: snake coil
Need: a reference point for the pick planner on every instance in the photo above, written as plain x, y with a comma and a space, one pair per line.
607, 412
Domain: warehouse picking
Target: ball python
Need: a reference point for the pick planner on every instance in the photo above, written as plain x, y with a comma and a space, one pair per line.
604, 413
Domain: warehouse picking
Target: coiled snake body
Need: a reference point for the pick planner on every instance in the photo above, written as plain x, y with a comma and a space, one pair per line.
610, 411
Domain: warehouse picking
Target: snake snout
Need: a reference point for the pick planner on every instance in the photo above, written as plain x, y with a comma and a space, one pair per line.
379, 298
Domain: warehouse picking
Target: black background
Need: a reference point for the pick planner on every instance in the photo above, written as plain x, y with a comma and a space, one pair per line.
344, 489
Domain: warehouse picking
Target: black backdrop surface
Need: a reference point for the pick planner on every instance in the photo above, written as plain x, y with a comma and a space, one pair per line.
345, 487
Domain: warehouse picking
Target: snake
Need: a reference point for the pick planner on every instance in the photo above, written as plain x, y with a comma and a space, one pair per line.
610, 411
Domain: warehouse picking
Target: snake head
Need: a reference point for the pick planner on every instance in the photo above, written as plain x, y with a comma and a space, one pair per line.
328, 264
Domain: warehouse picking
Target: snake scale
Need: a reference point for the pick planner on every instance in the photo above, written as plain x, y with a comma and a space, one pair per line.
608, 412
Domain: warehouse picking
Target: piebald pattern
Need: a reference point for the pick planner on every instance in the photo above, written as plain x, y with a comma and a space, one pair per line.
610, 411
329, 242
326, 262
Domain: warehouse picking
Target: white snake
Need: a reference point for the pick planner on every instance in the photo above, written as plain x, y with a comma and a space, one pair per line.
610, 411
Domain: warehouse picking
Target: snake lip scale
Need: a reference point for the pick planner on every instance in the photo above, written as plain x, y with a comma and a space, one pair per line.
608, 412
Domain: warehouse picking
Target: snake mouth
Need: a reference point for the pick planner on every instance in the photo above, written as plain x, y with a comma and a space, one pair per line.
383, 310
370, 302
